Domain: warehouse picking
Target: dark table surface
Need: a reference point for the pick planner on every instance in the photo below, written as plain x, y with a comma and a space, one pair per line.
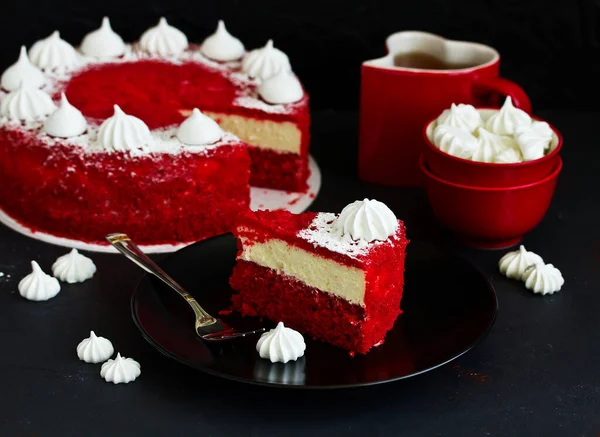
537, 373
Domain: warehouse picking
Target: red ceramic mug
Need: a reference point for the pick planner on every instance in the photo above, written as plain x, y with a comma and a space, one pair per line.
396, 102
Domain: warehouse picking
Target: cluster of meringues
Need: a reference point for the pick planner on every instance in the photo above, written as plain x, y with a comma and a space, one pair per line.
25, 100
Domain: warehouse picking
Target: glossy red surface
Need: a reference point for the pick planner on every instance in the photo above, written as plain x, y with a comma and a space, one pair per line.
484, 174
489, 217
396, 103
264, 292
156, 199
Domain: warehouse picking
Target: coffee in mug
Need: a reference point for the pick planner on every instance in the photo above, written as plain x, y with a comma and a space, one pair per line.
427, 61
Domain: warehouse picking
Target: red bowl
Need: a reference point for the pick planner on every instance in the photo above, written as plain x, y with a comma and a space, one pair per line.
485, 174
489, 218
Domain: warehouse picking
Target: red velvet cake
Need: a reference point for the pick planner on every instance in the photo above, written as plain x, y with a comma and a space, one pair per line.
335, 278
159, 198
81, 169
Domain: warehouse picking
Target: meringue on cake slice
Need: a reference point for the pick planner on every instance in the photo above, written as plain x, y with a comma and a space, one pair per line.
337, 278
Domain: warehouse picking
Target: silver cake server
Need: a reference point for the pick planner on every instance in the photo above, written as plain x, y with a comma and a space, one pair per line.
207, 327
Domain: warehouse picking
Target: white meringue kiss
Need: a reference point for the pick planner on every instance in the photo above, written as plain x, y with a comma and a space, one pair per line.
38, 286
22, 71
95, 349
123, 132
103, 42
73, 267
281, 344
462, 116
199, 130
222, 46
284, 87
121, 370
53, 53
265, 62
489, 145
367, 220
507, 119
66, 122
543, 279
454, 141
508, 156
513, 264
26, 103
533, 140
163, 39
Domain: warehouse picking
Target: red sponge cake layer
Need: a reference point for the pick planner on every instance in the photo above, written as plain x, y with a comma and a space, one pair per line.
157, 198
350, 300
286, 171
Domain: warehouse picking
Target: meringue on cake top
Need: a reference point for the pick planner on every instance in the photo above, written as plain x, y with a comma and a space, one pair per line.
22, 71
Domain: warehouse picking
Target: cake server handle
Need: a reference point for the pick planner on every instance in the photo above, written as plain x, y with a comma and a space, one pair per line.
123, 244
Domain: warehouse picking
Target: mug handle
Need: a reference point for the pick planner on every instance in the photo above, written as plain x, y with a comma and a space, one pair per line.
484, 87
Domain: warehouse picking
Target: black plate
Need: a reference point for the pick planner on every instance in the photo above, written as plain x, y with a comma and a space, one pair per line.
449, 306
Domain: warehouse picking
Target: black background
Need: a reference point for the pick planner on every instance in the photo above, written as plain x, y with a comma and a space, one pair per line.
551, 48
535, 375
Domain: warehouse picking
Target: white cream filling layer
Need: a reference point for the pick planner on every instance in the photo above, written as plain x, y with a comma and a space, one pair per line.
281, 136
325, 274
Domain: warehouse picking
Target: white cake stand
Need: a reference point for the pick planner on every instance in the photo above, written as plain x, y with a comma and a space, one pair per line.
260, 198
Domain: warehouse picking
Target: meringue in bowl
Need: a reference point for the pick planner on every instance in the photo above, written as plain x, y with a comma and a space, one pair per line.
494, 168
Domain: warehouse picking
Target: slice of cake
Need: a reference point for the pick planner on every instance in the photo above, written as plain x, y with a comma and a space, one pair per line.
336, 278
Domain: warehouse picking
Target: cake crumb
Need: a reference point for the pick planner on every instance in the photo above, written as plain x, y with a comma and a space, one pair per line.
477, 377
293, 201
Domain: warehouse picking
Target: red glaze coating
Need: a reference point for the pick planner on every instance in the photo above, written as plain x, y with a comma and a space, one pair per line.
357, 328
485, 174
396, 103
162, 94
490, 217
156, 199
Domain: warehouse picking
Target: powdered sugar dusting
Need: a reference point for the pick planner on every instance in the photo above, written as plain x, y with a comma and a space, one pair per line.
321, 233
254, 102
164, 139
